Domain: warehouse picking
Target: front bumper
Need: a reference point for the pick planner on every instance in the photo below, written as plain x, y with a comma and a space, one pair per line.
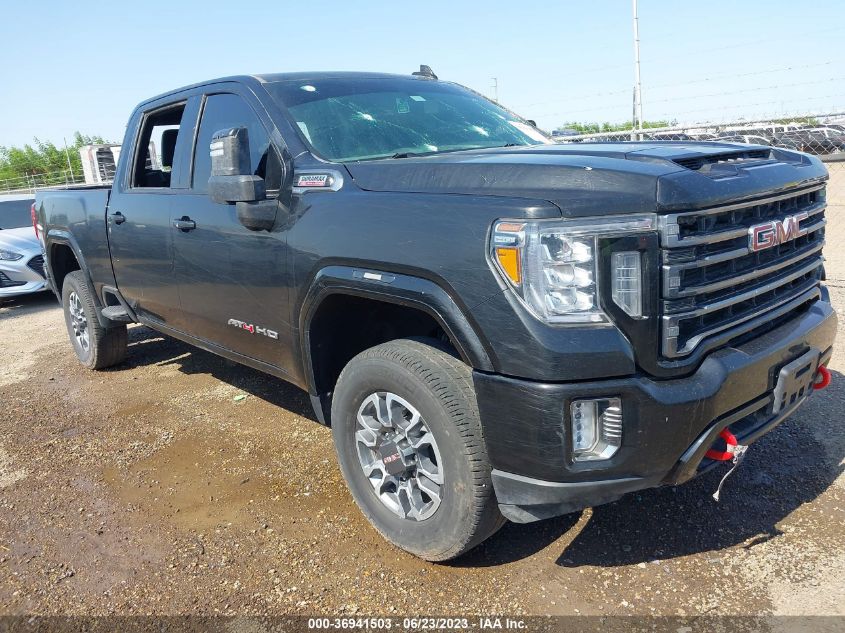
668, 425
19, 278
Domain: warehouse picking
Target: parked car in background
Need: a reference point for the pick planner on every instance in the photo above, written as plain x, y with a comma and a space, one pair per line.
668, 136
750, 139
565, 132
21, 262
831, 132
811, 142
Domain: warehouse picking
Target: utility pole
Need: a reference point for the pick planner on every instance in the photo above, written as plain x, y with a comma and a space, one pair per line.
495, 88
67, 154
634, 116
638, 89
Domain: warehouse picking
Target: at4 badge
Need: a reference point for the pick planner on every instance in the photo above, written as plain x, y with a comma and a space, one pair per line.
253, 329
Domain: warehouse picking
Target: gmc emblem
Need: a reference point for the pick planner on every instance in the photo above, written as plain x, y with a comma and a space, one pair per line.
768, 234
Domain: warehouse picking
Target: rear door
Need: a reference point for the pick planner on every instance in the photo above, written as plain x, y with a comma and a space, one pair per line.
233, 282
139, 213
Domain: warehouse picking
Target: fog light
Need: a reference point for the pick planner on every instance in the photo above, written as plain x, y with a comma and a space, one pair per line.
596, 428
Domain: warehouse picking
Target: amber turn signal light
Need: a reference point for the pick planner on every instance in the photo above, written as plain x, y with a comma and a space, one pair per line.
508, 259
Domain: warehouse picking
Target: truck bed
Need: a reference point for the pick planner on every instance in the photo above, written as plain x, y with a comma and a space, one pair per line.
77, 213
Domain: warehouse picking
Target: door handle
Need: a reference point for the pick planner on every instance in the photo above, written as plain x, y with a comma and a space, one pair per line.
184, 224
118, 217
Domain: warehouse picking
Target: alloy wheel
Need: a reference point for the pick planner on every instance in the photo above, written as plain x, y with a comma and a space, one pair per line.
399, 456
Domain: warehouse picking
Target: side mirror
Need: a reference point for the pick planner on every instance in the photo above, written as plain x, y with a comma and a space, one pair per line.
232, 180
531, 122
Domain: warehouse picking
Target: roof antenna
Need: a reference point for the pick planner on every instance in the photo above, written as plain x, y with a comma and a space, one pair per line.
425, 71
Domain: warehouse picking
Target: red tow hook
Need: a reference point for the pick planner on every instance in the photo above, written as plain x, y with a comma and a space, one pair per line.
735, 452
727, 455
822, 378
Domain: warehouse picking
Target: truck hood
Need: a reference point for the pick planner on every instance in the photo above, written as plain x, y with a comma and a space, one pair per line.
21, 240
599, 178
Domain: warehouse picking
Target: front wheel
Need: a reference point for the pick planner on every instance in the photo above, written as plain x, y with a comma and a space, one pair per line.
96, 347
409, 441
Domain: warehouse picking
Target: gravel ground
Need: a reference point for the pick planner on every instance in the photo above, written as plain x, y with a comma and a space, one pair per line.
154, 488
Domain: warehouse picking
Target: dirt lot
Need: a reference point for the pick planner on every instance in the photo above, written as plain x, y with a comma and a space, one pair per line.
154, 488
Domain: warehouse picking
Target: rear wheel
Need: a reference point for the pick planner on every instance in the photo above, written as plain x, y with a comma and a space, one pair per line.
96, 347
409, 442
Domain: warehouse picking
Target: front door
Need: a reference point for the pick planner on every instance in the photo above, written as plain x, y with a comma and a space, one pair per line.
233, 282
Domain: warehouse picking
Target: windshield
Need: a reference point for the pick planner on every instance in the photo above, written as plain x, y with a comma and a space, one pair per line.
15, 214
350, 119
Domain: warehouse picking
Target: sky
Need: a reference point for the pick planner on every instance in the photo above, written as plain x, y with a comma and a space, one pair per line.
83, 66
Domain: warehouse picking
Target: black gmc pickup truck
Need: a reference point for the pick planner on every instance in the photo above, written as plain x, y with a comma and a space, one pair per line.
494, 325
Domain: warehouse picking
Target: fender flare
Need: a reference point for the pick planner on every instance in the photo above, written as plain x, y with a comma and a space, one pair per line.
407, 290
65, 238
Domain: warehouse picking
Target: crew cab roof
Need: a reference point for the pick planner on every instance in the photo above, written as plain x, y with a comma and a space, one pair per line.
273, 77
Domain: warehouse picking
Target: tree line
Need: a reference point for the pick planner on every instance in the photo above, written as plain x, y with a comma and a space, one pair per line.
42, 162
595, 128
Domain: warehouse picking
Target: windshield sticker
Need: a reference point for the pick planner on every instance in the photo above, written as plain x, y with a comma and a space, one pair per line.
417, 98
530, 132
402, 105
304, 129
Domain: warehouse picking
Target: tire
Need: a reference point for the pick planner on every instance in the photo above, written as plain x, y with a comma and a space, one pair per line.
421, 375
96, 347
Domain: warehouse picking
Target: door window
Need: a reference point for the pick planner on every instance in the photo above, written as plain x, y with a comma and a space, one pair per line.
223, 111
154, 163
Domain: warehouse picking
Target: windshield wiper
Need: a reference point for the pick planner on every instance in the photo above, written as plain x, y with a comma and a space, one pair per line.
450, 150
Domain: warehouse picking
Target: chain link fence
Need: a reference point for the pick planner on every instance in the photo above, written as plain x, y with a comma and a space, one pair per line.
836, 185
820, 135
30, 182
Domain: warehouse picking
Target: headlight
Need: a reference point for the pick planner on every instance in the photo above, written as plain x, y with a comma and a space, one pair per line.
553, 265
9, 256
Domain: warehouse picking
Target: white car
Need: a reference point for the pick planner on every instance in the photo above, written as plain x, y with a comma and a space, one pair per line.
21, 262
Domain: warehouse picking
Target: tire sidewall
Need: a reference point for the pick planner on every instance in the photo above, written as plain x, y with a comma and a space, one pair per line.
447, 525
70, 285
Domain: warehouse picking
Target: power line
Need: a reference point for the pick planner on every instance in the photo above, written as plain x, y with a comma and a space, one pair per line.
762, 103
610, 93
699, 96
738, 75
709, 49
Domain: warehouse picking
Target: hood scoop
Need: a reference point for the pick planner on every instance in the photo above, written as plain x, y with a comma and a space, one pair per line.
739, 158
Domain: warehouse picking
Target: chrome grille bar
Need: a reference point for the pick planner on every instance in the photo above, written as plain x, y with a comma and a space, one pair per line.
671, 279
743, 289
750, 321
671, 228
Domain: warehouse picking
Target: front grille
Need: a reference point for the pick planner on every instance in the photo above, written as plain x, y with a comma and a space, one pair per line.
37, 264
5, 282
715, 289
